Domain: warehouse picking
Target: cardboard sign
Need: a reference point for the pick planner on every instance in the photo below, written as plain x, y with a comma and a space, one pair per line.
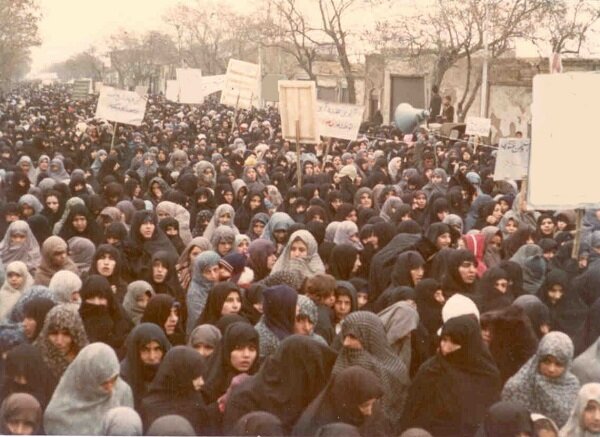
298, 102
562, 164
187, 79
172, 91
338, 120
241, 89
121, 106
141, 90
98, 87
478, 126
81, 89
512, 160
210, 84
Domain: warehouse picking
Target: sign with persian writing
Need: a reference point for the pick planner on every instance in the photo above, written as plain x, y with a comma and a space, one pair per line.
339, 120
126, 107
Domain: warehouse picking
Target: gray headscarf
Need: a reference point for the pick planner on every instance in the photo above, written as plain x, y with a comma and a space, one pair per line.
310, 265
81, 251
344, 233
27, 252
63, 284
79, 401
205, 334
70, 204
135, 290
122, 421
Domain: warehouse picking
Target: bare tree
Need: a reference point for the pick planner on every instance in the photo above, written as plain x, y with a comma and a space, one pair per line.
139, 58
18, 33
288, 30
84, 64
453, 30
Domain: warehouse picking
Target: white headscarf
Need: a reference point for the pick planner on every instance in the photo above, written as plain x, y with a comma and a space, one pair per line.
10, 295
309, 265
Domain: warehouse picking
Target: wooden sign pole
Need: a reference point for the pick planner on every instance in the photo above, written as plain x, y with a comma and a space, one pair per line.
327, 147
235, 114
577, 242
112, 142
298, 165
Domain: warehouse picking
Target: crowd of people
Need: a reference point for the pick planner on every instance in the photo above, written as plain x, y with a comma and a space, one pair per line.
175, 278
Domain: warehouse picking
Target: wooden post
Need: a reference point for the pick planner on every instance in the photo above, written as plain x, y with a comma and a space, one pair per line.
523, 195
112, 142
577, 242
235, 114
326, 152
298, 164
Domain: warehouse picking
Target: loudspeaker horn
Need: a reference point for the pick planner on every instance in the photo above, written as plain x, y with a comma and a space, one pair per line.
407, 118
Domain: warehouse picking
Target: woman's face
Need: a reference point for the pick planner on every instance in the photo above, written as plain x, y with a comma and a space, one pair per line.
211, 273
19, 426
228, 197
151, 353
194, 253
251, 175
15, 280
159, 272
52, 203
497, 213
156, 190
79, 223
467, 272
242, 357
17, 239
591, 417
29, 326
420, 201
171, 322
501, 285
551, 368
438, 296
351, 342
147, 230
255, 202
280, 236
26, 210
447, 346
511, 227
258, 228
342, 306
225, 218
547, 226
443, 241
271, 260
352, 216
232, 304
436, 179
204, 349
357, 264
142, 300
224, 247
417, 274
555, 293
59, 258
61, 340
298, 249
242, 248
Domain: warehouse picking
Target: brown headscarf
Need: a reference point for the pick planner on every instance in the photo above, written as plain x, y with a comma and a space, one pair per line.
47, 269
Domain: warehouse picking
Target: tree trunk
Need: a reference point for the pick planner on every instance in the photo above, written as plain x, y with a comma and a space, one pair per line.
351, 89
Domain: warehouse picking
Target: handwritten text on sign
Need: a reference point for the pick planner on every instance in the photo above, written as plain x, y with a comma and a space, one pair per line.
241, 85
338, 120
478, 126
512, 160
121, 106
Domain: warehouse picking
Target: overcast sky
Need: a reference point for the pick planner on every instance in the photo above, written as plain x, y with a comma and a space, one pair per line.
71, 26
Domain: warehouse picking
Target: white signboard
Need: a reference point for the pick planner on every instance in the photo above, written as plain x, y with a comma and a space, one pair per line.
478, 126
338, 120
562, 164
298, 103
172, 91
210, 84
121, 106
187, 79
141, 90
241, 87
512, 160
98, 87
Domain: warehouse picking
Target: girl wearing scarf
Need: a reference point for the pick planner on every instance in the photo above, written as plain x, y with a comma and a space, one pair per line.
223, 299
54, 259
136, 299
164, 311
461, 380
300, 253
19, 244
61, 339
90, 387
17, 281
222, 240
146, 347
176, 389
187, 257
34, 314
261, 258
585, 417
205, 339
224, 216
279, 315
21, 414
545, 383
285, 384
204, 274
344, 262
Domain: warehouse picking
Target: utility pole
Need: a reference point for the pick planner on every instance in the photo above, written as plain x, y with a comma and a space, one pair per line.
484, 72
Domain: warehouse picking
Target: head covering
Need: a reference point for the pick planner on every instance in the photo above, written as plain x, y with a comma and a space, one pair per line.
552, 397
586, 367
27, 252
258, 423
279, 221
61, 318
172, 425
135, 291
574, 426
309, 265
22, 407
79, 400
536, 311
205, 334
376, 355
47, 268
344, 233
506, 419
199, 287
63, 284
82, 252
122, 421
9, 295
37, 309
215, 223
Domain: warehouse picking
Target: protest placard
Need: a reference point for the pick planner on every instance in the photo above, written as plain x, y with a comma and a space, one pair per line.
562, 163
338, 120
121, 106
187, 79
241, 88
478, 126
141, 90
81, 89
172, 91
298, 102
512, 159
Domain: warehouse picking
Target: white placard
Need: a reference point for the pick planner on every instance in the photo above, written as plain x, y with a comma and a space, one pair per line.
478, 126
210, 84
338, 120
512, 160
141, 90
98, 87
298, 102
188, 78
125, 107
241, 87
562, 161
172, 91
